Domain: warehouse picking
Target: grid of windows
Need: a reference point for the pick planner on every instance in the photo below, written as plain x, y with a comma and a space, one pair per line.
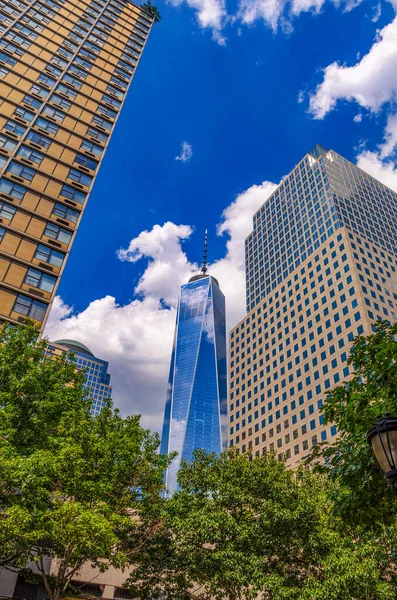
318, 197
55, 124
293, 345
97, 378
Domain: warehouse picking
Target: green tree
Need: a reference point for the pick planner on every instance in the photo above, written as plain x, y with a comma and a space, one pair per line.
360, 493
238, 527
73, 487
152, 10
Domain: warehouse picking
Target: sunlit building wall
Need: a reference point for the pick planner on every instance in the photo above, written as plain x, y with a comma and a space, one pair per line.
321, 268
65, 70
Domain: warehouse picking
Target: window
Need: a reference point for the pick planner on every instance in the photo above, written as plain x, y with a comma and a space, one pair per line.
69, 192
30, 308
6, 143
54, 113
9, 60
62, 101
79, 177
21, 171
40, 280
30, 154
74, 81
91, 147
22, 113
3, 71
6, 211
43, 78
33, 102
41, 140
108, 112
98, 135
53, 257
12, 189
101, 122
18, 39
15, 127
53, 70
61, 62
44, 124
65, 213
12, 48
112, 101
57, 233
86, 161
39, 90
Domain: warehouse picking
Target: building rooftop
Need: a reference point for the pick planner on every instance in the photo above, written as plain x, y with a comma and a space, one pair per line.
73, 345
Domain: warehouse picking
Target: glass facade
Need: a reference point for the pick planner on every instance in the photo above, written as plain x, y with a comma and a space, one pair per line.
97, 378
195, 409
65, 70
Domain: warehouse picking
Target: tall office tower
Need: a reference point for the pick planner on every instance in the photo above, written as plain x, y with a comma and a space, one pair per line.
320, 269
196, 394
97, 378
65, 70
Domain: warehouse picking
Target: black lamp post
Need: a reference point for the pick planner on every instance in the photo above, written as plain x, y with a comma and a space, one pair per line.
382, 438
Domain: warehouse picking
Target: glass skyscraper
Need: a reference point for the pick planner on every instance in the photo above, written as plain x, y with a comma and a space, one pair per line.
65, 71
321, 267
196, 394
97, 378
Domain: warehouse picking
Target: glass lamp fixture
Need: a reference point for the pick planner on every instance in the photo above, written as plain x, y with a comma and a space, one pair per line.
382, 438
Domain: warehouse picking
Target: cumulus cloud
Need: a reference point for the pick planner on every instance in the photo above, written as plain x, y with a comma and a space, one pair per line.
136, 338
371, 82
186, 152
276, 13
390, 141
210, 14
383, 170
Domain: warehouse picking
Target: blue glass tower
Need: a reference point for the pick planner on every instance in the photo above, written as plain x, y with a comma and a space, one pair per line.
196, 395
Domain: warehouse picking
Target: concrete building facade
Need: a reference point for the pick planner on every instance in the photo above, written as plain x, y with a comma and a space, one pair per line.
321, 268
65, 70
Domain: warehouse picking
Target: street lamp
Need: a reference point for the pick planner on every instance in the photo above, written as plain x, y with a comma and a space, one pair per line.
382, 438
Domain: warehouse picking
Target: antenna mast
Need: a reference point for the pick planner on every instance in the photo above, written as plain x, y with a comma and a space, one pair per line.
204, 267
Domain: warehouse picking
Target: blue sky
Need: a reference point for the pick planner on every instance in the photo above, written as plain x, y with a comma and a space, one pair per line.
249, 103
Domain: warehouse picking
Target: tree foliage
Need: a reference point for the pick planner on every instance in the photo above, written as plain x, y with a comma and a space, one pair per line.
238, 527
73, 487
361, 495
152, 10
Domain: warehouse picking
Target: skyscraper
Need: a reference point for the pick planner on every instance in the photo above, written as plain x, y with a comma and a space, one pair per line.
65, 70
320, 268
97, 378
196, 393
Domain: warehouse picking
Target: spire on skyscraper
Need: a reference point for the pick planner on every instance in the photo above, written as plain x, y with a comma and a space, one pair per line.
204, 267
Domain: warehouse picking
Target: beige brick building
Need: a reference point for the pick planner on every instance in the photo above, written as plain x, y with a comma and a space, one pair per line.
321, 268
65, 70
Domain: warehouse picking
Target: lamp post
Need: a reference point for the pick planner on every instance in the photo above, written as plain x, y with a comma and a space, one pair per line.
382, 438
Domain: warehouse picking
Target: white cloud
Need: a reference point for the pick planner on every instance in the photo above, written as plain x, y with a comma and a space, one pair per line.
390, 143
372, 82
136, 338
210, 14
377, 13
186, 152
384, 170
276, 13
358, 118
